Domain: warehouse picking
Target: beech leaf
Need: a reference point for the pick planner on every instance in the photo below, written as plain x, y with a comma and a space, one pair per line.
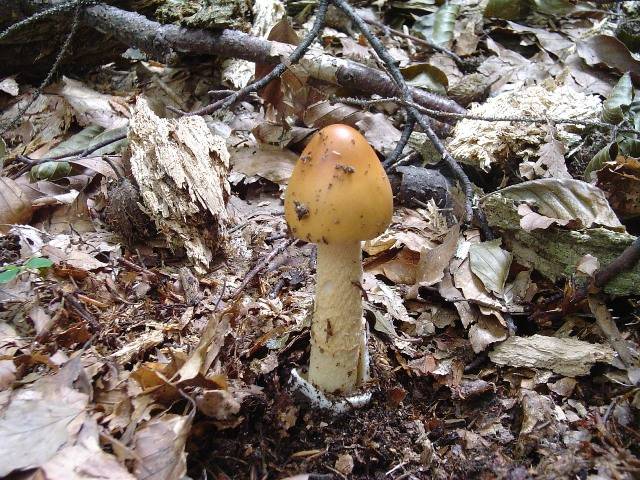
620, 97
563, 201
490, 264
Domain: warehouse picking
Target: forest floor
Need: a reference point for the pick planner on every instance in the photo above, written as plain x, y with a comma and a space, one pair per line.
153, 303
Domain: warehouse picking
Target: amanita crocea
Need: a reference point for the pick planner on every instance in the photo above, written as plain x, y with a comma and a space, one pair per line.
338, 195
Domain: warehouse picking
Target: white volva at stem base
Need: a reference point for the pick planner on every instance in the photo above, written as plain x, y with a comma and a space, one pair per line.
338, 347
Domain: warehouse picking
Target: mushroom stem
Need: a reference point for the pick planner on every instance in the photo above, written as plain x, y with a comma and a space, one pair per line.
338, 341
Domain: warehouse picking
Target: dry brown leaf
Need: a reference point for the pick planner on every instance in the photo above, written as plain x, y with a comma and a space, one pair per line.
379, 132
85, 460
266, 161
15, 207
92, 107
608, 50
551, 162
400, 268
10, 86
7, 373
218, 404
485, 331
563, 387
434, 261
41, 419
588, 264
620, 181
159, 448
211, 341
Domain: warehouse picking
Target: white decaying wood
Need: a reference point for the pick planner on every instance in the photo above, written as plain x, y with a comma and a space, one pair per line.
338, 340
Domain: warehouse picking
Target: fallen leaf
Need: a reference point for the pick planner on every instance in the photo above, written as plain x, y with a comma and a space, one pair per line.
14, 205
266, 161
92, 107
562, 201
608, 50
563, 387
10, 86
491, 264
433, 261
485, 331
85, 460
588, 264
550, 163
159, 448
41, 419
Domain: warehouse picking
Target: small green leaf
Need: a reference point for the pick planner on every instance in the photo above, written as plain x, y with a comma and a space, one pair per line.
78, 141
553, 7
3, 152
619, 100
444, 23
50, 171
114, 147
507, 9
38, 262
629, 147
9, 273
606, 154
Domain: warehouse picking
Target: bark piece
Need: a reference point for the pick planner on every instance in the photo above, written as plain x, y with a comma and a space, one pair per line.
181, 168
566, 356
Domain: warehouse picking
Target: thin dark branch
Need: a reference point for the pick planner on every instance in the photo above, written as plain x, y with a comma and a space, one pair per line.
627, 259
52, 71
260, 266
67, 157
404, 139
439, 113
42, 14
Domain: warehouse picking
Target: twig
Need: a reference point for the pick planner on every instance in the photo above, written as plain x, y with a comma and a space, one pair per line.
422, 120
404, 139
278, 70
261, 264
418, 40
80, 310
625, 261
52, 71
438, 113
67, 157
40, 15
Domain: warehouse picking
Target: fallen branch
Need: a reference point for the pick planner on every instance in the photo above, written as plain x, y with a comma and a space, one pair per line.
159, 40
278, 70
260, 266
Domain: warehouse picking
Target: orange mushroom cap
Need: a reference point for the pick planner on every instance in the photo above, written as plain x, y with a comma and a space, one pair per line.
338, 191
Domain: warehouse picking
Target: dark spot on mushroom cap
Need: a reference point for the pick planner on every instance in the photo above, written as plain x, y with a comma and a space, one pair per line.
301, 210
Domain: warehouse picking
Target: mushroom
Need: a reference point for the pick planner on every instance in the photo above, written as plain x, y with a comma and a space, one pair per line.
338, 195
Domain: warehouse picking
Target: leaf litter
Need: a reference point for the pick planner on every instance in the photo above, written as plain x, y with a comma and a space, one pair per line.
160, 346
